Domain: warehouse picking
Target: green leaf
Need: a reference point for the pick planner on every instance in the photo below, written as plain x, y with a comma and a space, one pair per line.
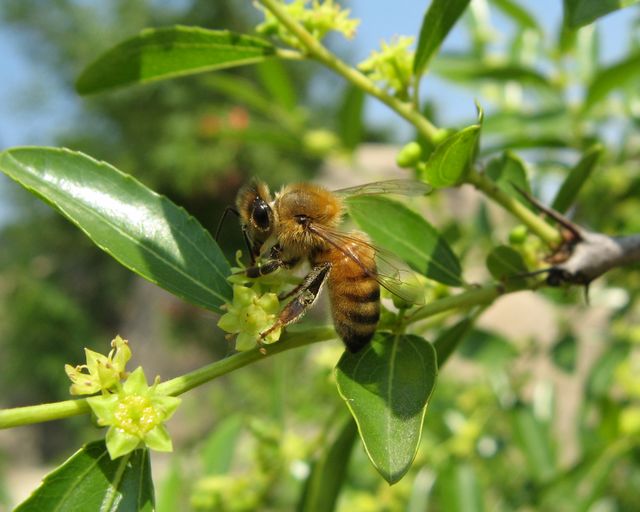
328, 473
509, 172
350, 121
534, 440
218, 450
449, 339
90, 481
517, 13
387, 386
156, 54
451, 159
524, 142
170, 491
487, 348
606, 80
275, 79
564, 353
144, 231
583, 484
398, 229
437, 22
506, 264
468, 68
602, 373
459, 488
544, 123
576, 179
578, 13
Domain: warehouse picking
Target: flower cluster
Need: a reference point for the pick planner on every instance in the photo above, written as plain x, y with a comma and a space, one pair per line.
135, 415
249, 314
133, 411
392, 65
318, 19
101, 373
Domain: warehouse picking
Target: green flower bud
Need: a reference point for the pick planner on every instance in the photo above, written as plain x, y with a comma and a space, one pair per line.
409, 155
320, 142
518, 235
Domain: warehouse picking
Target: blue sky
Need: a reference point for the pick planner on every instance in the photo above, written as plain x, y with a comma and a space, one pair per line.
33, 106
48, 105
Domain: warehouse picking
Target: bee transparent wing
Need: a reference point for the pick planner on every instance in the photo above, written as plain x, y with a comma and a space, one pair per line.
400, 280
391, 275
400, 187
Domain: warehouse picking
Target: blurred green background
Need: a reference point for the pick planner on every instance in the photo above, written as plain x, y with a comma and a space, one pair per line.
540, 410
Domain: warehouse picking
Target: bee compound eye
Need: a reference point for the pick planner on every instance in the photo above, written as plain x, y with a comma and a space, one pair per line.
261, 214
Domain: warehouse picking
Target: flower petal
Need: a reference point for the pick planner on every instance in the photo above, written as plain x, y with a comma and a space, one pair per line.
120, 443
158, 439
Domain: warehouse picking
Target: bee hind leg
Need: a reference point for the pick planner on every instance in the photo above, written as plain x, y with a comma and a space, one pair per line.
306, 295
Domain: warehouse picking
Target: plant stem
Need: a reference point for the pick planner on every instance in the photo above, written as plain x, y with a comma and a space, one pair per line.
290, 340
43, 412
549, 234
58, 410
318, 51
474, 297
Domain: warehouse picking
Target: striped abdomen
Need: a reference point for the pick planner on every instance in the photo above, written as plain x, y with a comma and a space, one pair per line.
354, 293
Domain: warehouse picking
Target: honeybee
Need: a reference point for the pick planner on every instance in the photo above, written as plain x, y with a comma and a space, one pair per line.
301, 223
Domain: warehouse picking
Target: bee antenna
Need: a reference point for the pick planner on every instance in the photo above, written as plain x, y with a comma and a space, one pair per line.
224, 216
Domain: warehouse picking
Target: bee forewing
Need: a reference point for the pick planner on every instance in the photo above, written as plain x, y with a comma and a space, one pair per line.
399, 280
401, 187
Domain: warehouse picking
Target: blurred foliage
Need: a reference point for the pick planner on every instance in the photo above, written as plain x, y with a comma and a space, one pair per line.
496, 438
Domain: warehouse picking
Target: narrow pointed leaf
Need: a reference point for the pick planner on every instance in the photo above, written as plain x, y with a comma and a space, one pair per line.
506, 264
217, 453
564, 353
578, 13
451, 159
460, 489
450, 338
161, 53
387, 386
396, 228
438, 21
170, 490
576, 179
517, 13
144, 231
509, 172
534, 440
90, 480
468, 68
328, 473
487, 348
613, 77
350, 120
275, 79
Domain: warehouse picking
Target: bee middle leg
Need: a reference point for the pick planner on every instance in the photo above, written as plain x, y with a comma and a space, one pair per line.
306, 294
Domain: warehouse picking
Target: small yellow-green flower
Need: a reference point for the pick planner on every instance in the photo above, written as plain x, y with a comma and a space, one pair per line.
319, 18
392, 65
135, 415
248, 315
102, 373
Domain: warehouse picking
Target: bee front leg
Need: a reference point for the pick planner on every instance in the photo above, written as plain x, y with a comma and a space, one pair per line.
267, 267
306, 294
